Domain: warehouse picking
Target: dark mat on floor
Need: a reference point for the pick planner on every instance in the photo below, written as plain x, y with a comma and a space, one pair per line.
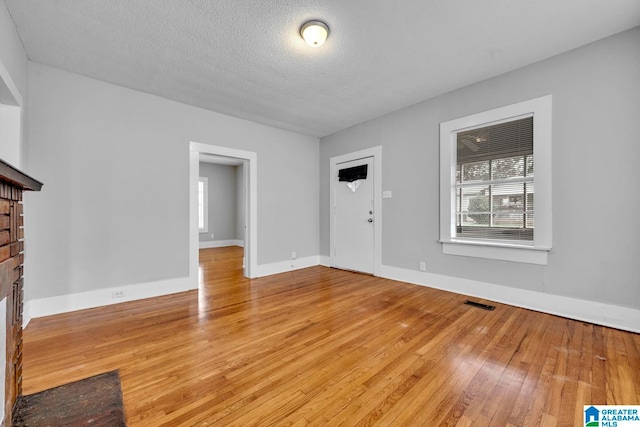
93, 401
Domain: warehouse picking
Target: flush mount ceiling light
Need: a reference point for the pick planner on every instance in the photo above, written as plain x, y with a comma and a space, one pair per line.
314, 33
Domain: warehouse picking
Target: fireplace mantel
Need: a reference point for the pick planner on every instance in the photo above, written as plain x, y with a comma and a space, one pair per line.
13, 183
17, 178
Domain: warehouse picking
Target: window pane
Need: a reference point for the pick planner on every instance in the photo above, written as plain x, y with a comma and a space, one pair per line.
473, 206
514, 138
496, 212
508, 197
529, 165
476, 171
510, 167
530, 198
508, 219
508, 205
530, 220
530, 205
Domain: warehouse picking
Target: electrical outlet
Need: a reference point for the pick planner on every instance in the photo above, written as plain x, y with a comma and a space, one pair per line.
423, 266
118, 294
293, 255
211, 236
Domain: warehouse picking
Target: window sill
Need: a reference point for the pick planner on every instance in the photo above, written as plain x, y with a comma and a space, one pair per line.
500, 251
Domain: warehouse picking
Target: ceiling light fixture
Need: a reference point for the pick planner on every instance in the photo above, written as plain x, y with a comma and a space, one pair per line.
314, 33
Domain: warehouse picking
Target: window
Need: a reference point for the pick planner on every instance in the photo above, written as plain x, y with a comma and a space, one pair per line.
494, 181
493, 205
203, 204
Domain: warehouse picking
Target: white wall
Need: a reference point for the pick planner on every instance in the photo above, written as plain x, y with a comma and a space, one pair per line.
596, 111
115, 163
10, 125
13, 90
223, 203
13, 59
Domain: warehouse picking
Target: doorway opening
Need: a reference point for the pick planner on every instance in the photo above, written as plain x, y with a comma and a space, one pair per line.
221, 215
247, 162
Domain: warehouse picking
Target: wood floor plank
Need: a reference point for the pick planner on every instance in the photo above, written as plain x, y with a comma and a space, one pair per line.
321, 346
633, 357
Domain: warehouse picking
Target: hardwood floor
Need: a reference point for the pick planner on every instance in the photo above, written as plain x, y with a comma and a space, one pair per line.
327, 347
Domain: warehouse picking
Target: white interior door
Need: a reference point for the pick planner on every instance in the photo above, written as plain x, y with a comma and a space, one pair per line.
354, 216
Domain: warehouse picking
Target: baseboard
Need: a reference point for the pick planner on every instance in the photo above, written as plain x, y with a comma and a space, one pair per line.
284, 266
624, 318
220, 244
101, 297
589, 311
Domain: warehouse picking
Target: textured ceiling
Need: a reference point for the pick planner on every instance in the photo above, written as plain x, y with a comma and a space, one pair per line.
246, 59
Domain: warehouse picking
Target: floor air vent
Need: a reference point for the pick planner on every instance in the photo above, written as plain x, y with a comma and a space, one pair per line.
479, 305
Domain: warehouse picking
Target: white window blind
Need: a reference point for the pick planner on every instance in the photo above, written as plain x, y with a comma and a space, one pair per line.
494, 185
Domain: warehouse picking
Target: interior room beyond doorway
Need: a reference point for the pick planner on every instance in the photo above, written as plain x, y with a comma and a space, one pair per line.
221, 205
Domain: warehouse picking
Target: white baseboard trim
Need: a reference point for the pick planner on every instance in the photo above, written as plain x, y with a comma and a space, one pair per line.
589, 311
284, 266
101, 297
220, 243
624, 318
25, 317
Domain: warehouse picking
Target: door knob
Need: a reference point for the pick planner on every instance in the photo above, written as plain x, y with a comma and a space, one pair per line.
370, 220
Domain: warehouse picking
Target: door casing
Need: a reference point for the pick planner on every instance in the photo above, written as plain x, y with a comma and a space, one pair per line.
251, 206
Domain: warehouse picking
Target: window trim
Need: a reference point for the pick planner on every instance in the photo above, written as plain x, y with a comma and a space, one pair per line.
535, 252
205, 204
